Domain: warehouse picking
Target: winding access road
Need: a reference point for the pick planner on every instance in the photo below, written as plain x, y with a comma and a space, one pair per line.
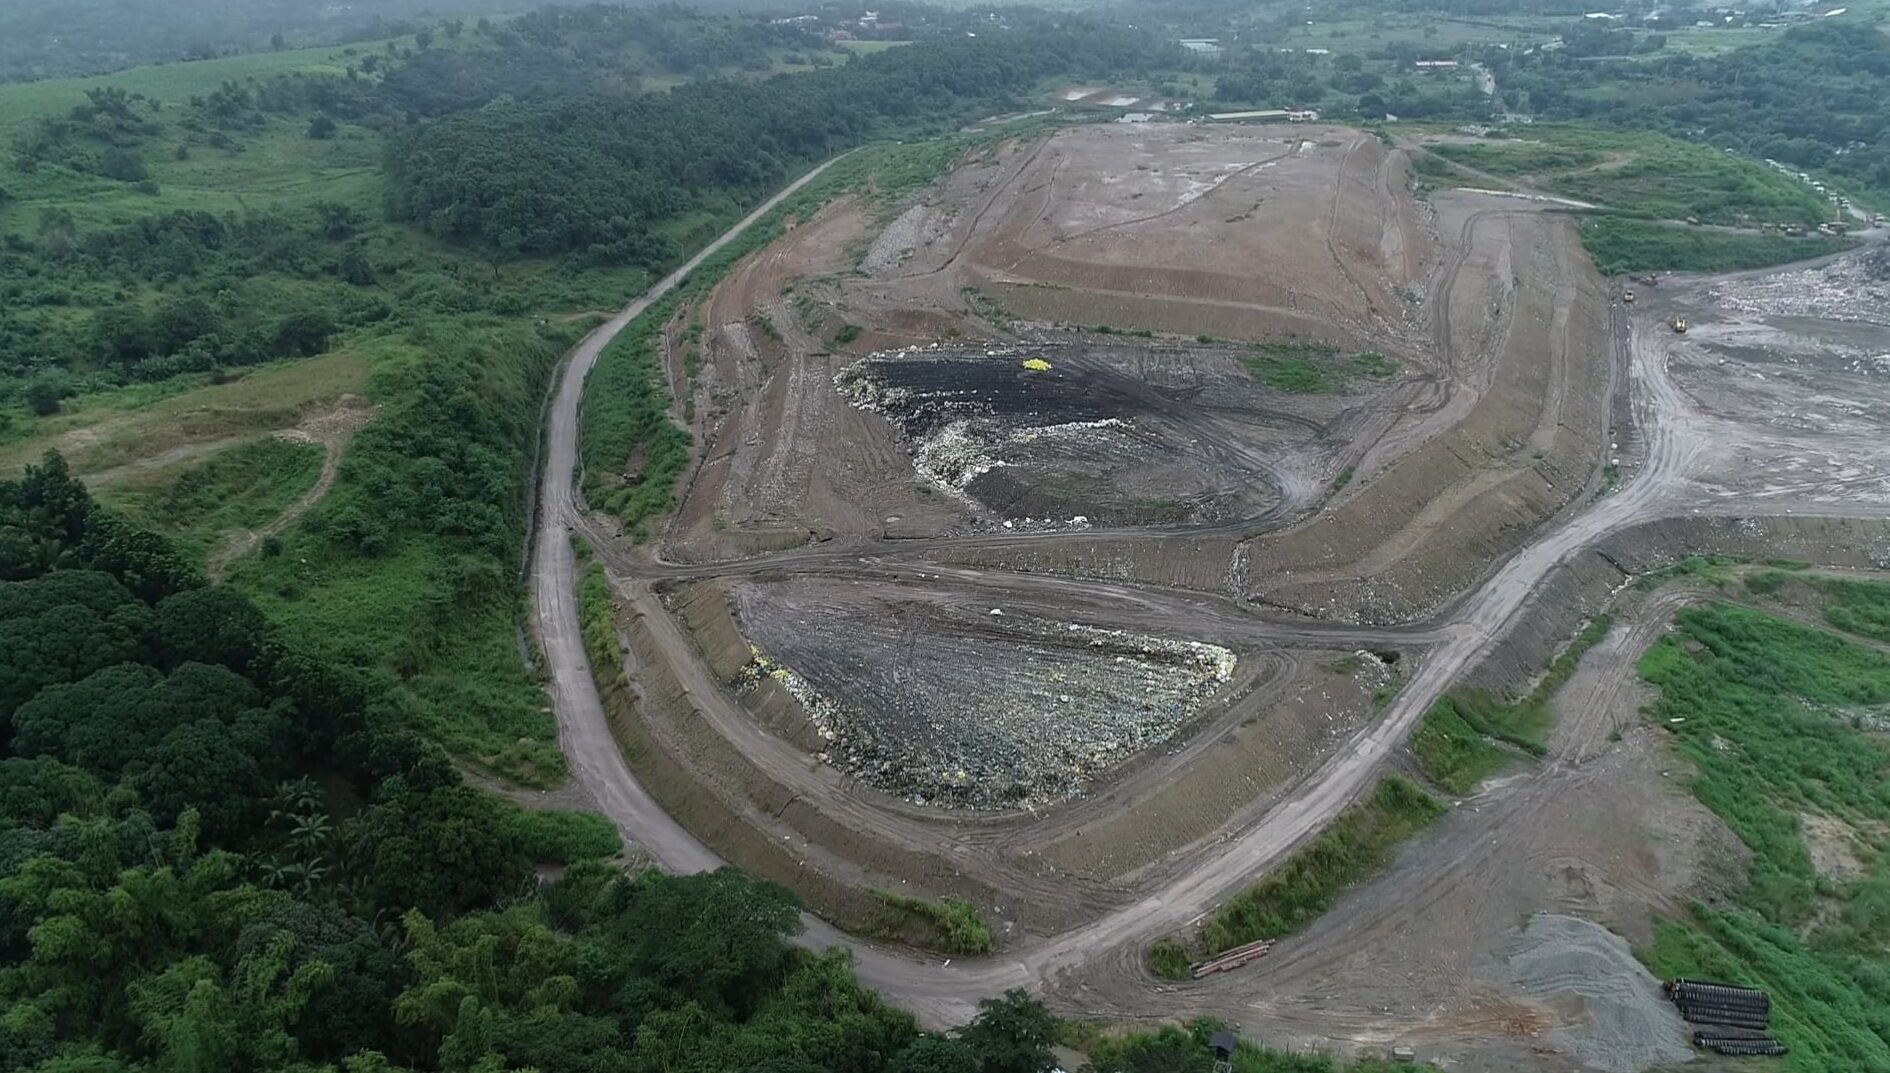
583, 729
945, 994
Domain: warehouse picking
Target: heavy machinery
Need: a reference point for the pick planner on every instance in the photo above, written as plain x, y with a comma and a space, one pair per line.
1680, 325
1627, 296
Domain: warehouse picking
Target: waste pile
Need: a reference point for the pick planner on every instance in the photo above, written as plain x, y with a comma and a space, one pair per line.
1005, 711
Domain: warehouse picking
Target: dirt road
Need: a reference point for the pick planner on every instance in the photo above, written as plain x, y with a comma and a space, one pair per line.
583, 732
1677, 442
332, 429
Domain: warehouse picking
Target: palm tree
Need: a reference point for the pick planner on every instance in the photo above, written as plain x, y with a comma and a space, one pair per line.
313, 872
296, 797
309, 833
275, 874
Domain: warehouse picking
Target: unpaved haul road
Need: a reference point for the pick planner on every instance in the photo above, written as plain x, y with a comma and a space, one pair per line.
583, 730
944, 994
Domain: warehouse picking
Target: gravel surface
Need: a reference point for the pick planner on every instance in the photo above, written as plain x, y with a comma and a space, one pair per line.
896, 242
1562, 959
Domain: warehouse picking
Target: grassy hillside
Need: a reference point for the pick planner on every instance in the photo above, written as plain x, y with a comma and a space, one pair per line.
289, 232
1621, 245
1783, 725
49, 39
1644, 175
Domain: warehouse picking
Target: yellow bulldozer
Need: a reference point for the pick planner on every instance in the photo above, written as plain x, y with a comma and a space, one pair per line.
1680, 325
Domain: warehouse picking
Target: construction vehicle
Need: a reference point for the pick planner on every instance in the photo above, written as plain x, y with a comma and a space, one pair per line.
1680, 325
1627, 296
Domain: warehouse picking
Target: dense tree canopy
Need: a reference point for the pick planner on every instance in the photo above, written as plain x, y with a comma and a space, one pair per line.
1814, 96
601, 173
213, 861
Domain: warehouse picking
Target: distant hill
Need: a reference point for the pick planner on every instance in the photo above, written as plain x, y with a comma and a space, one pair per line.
62, 38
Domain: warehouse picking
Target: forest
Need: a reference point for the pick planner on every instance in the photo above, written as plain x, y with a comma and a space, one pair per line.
215, 856
599, 174
1815, 96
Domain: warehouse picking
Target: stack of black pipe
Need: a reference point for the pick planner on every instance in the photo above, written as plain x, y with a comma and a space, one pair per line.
1737, 1046
1740, 1015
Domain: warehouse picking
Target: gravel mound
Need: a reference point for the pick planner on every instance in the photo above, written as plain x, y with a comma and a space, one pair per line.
1573, 964
896, 242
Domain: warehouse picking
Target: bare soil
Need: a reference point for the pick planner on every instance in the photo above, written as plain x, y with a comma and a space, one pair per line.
1148, 459
1603, 830
813, 657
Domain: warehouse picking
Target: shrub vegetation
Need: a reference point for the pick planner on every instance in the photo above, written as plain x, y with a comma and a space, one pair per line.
955, 926
1620, 245
1357, 844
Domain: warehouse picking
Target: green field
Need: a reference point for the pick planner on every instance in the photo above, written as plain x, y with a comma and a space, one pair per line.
1699, 42
1185, 1049
172, 83
865, 47
1307, 368
242, 487
1461, 739
1451, 753
951, 926
1444, 35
